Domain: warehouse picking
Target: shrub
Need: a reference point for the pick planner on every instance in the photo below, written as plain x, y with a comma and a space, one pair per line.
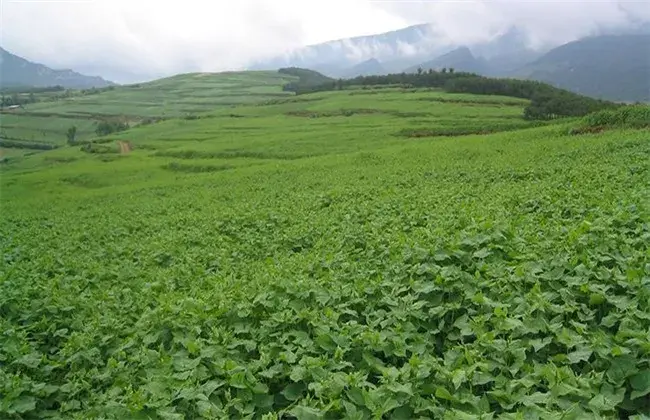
105, 128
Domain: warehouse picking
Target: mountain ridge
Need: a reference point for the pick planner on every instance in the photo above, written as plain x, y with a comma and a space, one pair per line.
18, 71
614, 67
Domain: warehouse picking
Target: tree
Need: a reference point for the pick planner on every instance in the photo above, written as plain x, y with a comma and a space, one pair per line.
420, 70
444, 69
451, 69
107, 127
71, 134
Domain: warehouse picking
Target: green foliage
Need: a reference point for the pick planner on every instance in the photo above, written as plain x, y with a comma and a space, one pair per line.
207, 275
547, 102
71, 135
633, 116
307, 79
26, 144
98, 148
48, 120
105, 128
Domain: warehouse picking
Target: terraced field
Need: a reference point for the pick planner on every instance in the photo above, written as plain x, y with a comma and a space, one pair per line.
353, 254
178, 96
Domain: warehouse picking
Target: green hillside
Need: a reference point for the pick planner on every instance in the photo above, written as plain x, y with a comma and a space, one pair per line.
187, 95
371, 253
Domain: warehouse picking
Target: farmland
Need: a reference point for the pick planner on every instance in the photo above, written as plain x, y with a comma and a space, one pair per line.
178, 96
365, 254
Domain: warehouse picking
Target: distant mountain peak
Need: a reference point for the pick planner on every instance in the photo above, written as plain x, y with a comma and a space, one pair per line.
17, 71
614, 67
369, 67
460, 59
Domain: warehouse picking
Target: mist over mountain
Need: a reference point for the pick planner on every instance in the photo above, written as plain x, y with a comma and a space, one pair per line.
409, 48
16, 71
615, 67
460, 59
335, 58
371, 67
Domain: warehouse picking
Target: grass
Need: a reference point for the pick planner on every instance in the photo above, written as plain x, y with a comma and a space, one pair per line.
273, 264
178, 96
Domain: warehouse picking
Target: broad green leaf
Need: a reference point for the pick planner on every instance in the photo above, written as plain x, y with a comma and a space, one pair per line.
298, 373
443, 394
621, 368
169, 414
402, 413
356, 396
640, 384
31, 360
293, 391
458, 378
302, 412
386, 405
579, 355
23, 405
209, 387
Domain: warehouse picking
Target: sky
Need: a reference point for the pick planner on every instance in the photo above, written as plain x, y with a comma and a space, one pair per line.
151, 38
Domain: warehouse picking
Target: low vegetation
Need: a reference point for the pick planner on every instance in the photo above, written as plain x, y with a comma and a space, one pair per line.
48, 113
276, 266
546, 101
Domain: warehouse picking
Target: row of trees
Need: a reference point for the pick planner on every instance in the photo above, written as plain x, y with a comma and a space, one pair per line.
20, 95
16, 99
547, 102
103, 128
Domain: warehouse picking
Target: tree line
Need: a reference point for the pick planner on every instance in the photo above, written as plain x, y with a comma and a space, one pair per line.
21, 95
546, 101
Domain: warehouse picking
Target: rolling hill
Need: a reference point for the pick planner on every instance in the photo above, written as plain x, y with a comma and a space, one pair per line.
615, 67
16, 71
374, 253
44, 124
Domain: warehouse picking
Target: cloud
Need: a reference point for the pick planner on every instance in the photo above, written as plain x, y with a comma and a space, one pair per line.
547, 22
145, 38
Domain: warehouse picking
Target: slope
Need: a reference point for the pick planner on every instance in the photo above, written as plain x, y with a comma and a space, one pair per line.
16, 71
615, 67
187, 95
305, 259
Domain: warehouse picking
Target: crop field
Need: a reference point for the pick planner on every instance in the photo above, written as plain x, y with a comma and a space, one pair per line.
178, 96
361, 254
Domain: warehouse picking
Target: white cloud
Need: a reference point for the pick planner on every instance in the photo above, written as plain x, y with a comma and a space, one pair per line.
151, 37
547, 21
